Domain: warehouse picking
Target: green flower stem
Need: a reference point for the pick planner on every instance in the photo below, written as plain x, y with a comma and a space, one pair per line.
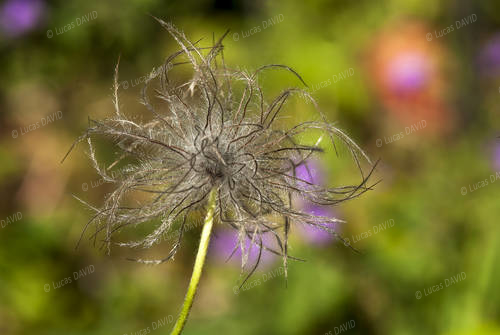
198, 264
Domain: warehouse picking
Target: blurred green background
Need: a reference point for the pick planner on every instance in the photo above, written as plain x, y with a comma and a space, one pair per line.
415, 83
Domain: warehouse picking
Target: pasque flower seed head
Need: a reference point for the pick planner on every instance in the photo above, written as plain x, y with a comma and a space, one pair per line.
215, 130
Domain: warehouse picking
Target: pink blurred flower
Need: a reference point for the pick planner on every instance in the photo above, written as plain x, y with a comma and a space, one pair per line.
409, 72
409, 75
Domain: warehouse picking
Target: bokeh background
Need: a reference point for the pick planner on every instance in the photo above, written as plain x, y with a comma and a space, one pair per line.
415, 83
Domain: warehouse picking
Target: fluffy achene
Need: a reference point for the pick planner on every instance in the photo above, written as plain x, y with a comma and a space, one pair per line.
214, 131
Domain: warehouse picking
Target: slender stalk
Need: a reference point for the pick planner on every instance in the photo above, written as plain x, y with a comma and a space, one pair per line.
198, 265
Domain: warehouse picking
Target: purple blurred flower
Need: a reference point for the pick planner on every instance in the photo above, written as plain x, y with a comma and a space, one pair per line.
489, 56
312, 172
408, 72
316, 235
224, 242
20, 16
